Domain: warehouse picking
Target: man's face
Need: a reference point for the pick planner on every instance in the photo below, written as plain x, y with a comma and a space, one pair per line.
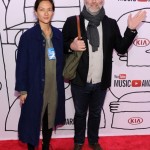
93, 5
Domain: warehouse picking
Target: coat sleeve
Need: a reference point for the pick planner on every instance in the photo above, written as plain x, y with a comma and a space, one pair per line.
123, 43
67, 32
22, 65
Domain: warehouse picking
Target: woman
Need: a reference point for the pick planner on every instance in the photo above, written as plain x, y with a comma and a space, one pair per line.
39, 78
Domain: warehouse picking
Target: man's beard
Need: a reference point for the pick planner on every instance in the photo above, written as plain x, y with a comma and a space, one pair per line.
93, 13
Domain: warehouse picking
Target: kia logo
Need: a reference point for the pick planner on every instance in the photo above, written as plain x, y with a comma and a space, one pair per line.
135, 120
141, 42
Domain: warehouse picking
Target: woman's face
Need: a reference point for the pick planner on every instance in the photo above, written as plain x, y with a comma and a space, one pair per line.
93, 5
44, 12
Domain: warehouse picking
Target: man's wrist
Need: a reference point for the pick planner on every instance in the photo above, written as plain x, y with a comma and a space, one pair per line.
133, 30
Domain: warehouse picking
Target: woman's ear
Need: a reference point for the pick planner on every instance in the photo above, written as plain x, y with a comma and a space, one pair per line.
35, 13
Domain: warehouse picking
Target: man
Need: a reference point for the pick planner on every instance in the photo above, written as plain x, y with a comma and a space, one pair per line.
100, 35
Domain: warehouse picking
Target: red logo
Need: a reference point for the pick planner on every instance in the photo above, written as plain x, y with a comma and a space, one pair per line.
141, 42
136, 83
122, 76
135, 120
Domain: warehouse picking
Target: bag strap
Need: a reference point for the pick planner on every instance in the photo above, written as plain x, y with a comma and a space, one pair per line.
78, 27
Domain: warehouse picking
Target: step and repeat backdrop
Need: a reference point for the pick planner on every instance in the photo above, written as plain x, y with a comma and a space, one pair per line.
130, 90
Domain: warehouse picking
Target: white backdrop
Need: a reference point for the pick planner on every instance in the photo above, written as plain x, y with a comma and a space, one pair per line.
130, 88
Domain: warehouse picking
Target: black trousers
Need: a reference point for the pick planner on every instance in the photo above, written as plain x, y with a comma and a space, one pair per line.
46, 133
87, 99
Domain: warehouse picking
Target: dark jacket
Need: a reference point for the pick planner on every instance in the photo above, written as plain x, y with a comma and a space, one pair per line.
30, 77
112, 39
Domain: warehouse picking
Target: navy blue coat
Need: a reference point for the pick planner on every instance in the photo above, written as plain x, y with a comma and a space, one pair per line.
30, 77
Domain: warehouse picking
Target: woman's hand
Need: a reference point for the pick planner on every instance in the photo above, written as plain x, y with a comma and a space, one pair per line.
23, 98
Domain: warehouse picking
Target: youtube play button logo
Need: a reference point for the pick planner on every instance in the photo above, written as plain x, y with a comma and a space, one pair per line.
136, 83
